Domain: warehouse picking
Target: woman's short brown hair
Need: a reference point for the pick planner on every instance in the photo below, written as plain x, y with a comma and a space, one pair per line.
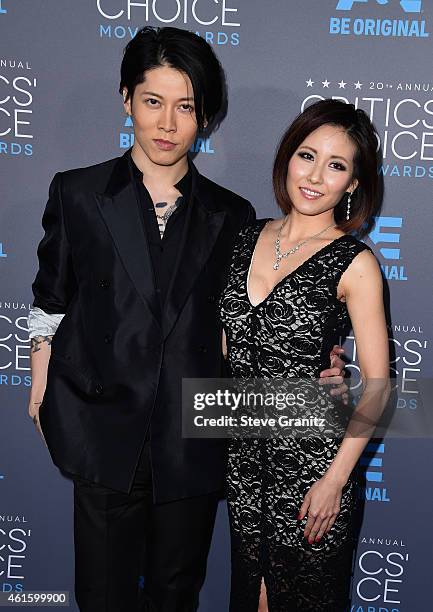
357, 125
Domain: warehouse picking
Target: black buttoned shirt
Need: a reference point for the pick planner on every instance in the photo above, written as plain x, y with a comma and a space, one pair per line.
163, 251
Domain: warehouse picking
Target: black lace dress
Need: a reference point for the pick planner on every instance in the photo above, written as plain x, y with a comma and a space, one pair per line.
289, 334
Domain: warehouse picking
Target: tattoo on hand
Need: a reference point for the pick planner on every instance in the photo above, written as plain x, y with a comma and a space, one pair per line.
37, 341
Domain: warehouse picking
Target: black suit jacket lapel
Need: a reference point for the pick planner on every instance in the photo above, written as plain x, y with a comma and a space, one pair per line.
203, 225
120, 209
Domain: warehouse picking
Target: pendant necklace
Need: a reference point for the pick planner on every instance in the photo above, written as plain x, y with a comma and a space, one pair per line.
282, 255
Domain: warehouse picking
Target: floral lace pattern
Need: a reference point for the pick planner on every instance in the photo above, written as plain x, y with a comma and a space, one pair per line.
289, 334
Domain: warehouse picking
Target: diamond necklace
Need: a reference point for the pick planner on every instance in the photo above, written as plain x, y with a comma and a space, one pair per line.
279, 255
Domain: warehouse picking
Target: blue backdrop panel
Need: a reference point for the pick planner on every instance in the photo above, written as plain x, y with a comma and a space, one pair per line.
59, 108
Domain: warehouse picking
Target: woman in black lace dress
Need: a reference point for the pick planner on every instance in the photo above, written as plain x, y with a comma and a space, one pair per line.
295, 283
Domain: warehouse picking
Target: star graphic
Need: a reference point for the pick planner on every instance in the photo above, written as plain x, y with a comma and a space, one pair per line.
342, 84
358, 85
309, 83
325, 83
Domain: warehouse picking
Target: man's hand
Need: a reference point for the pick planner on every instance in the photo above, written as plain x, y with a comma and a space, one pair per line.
34, 415
40, 352
335, 374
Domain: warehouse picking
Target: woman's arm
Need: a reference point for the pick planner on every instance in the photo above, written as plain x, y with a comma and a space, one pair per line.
361, 288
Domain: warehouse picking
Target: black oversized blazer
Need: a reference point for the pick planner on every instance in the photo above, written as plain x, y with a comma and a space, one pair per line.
117, 361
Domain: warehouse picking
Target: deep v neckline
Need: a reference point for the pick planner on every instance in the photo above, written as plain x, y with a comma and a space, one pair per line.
287, 276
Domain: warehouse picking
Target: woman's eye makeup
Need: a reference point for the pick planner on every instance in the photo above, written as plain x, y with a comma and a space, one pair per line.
305, 155
338, 166
309, 156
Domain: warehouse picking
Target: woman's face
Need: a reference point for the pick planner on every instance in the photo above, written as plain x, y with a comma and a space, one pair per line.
320, 170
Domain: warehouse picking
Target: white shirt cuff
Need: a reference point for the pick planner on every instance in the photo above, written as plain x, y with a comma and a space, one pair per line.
41, 323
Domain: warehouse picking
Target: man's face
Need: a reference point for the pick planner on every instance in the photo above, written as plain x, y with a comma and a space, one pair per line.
163, 115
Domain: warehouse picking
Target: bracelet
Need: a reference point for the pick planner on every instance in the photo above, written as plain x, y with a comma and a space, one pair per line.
37, 403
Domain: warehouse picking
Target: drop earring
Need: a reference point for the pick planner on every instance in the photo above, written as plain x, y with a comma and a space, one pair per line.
349, 199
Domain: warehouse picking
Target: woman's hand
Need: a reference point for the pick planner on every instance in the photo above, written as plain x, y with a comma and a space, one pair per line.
322, 504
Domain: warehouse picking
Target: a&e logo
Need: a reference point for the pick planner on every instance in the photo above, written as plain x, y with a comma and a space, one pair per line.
2, 253
389, 249
408, 26
3, 11
126, 140
372, 467
409, 6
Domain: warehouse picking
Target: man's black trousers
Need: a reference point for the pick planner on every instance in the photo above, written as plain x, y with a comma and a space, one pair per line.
119, 537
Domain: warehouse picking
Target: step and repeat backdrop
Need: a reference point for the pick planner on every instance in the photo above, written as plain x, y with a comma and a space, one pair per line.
59, 109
